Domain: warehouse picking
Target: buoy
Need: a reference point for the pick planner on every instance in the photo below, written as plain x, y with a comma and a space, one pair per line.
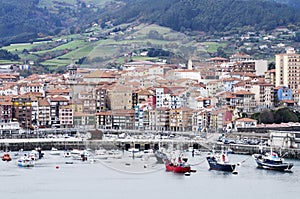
235, 172
57, 167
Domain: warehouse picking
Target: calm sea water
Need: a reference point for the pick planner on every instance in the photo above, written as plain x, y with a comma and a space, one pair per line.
142, 179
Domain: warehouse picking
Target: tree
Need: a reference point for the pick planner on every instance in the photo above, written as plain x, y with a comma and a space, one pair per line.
5, 55
271, 66
154, 34
285, 115
297, 37
266, 117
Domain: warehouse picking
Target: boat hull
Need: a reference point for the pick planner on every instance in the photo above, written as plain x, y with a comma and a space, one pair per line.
6, 157
178, 168
277, 167
27, 163
214, 165
277, 164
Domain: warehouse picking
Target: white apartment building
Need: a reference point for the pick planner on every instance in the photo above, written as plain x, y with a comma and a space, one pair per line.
288, 69
264, 95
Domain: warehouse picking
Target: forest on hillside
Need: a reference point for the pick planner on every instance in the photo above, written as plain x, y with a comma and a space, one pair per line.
209, 15
26, 20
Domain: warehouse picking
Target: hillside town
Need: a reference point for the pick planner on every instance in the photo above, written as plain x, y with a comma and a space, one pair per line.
214, 95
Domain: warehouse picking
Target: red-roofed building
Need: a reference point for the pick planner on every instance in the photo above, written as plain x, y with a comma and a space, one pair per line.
55, 104
84, 120
221, 120
181, 119
270, 76
6, 111
32, 88
245, 102
22, 111
264, 94
245, 123
116, 119
159, 119
203, 102
201, 120
288, 69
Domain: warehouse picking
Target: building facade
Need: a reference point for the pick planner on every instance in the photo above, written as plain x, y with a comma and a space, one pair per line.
288, 69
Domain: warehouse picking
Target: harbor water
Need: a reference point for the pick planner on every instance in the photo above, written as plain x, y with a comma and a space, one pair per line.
138, 178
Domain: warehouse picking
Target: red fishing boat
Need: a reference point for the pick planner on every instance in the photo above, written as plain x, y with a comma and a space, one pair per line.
179, 166
6, 157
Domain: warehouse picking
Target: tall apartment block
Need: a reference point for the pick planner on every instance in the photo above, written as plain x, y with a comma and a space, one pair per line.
288, 69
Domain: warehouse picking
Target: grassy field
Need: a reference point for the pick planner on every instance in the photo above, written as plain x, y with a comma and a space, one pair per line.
7, 62
18, 48
51, 3
72, 45
144, 29
113, 48
212, 47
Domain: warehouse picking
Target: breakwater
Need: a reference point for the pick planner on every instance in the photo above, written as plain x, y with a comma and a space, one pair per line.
43, 143
202, 145
142, 144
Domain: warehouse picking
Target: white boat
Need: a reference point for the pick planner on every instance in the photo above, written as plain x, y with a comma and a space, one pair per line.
36, 154
149, 152
76, 152
26, 161
272, 161
135, 153
101, 154
116, 154
67, 154
54, 151
80, 154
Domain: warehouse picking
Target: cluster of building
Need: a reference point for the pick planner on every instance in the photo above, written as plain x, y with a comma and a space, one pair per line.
210, 95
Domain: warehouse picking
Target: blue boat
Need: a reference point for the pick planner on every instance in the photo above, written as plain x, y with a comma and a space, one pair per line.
272, 162
26, 161
220, 163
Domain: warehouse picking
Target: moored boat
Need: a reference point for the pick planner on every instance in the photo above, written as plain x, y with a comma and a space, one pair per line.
135, 153
26, 161
101, 154
6, 157
114, 154
179, 166
36, 154
272, 161
54, 151
79, 154
67, 154
220, 162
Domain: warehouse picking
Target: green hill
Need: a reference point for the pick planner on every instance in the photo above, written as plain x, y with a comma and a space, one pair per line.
208, 15
54, 33
26, 20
